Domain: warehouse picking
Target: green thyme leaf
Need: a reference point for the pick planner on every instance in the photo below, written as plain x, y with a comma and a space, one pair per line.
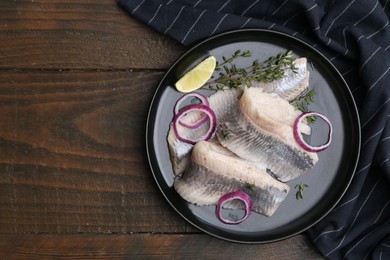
225, 134
250, 186
300, 187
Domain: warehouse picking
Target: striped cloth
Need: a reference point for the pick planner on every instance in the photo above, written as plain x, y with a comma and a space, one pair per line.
355, 37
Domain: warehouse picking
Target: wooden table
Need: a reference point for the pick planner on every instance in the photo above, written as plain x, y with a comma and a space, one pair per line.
76, 81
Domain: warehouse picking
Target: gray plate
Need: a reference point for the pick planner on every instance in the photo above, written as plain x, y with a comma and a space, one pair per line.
327, 181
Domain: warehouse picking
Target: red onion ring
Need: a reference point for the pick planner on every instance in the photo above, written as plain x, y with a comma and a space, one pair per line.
204, 101
202, 108
299, 138
232, 196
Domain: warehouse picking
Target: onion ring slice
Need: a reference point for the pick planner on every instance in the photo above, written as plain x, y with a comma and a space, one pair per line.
299, 137
204, 101
233, 196
201, 108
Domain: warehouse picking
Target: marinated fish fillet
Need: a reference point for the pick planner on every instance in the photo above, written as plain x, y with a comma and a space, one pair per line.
276, 108
215, 171
221, 103
291, 85
262, 134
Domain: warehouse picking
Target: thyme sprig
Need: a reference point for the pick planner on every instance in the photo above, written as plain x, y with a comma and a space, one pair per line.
301, 103
235, 55
231, 76
300, 187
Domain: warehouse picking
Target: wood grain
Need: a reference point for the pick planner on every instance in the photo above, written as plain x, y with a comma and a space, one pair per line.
79, 35
148, 246
72, 154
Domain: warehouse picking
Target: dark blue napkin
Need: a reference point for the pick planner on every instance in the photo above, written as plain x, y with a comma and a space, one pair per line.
355, 36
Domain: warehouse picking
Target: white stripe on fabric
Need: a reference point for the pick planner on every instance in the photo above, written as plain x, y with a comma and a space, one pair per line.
177, 16
384, 7
154, 16
327, 44
223, 6
356, 89
384, 139
311, 8
272, 25
385, 161
362, 169
169, 2
337, 17
387, 48
348, 71
380, 213
197, 3
386, 245
354, 220
315, 29
292, 17
345, 38
372, 10
277, 10
346, 203
373, 85
328, 232
357, 243
334, 57
197, 20
375, 113
380, 131
242, 26
138, 6
216, 27
369, 58
249, 7
380, 29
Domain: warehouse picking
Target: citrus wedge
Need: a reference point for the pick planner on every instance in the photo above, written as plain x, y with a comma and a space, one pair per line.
197, 76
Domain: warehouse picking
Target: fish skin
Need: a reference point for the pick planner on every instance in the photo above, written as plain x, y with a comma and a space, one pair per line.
291, 85
256, 137
215, 171
221, 102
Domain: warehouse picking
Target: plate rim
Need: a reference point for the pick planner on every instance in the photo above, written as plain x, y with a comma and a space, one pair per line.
279, 34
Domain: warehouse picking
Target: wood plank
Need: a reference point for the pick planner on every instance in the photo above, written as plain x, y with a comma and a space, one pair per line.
150, 246
72, 154
67, 34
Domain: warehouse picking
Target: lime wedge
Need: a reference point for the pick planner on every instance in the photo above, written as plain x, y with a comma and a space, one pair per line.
197, 76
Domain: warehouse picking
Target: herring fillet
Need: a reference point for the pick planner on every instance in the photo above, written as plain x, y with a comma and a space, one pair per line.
276, 108
221, 103
254, 135
214, 171
291, 85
